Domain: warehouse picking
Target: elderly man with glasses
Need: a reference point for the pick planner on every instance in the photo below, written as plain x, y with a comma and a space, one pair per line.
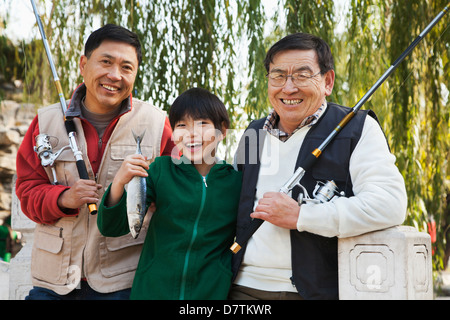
293, 255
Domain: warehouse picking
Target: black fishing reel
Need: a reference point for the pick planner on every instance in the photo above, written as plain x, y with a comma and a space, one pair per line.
44, 150
323, 192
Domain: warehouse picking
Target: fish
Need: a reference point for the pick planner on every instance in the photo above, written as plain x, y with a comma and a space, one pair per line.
136, 194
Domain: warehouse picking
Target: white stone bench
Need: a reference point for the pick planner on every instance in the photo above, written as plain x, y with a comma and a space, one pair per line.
394, 263
19, 269
4, 280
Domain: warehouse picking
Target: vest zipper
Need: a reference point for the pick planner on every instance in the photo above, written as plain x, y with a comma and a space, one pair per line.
193, 237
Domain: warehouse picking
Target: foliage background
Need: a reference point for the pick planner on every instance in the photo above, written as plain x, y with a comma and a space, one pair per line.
220, 45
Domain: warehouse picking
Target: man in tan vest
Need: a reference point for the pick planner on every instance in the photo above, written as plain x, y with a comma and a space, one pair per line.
70, 259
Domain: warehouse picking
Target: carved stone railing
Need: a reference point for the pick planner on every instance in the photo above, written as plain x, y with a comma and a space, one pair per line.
19, 269
394, 263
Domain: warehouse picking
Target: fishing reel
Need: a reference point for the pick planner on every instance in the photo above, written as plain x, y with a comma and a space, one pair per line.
44, 150
323, 192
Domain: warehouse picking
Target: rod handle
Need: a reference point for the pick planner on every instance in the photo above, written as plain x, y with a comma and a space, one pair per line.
242, 239
82, 171
81, 166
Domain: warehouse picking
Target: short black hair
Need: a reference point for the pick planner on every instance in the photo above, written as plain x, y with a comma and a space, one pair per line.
303, 41
199, 103
114, 33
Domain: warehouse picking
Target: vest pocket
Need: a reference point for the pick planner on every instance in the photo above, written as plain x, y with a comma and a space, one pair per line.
119, 152
113, 251
50, 261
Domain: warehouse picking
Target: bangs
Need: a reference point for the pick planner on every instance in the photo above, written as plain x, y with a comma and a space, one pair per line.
197, 104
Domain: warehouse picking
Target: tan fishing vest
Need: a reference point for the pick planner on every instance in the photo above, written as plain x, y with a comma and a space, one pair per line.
73, 247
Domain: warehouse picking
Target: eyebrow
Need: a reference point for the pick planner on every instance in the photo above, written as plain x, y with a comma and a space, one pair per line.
106, 55
298, 69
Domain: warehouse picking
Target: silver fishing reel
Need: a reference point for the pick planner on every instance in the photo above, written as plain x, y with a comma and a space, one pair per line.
44, 150
323, 192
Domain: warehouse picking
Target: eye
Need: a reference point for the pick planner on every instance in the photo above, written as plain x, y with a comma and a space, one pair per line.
203, 122
301, 76
277, 76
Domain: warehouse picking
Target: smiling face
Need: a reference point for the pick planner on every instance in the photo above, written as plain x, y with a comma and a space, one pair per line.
292, 103
198, 140
109, 75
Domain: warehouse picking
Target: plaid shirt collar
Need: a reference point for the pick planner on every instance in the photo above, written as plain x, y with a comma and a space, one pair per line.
273, 118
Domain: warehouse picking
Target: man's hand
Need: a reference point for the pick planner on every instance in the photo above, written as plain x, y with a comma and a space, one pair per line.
278, 209
80, 193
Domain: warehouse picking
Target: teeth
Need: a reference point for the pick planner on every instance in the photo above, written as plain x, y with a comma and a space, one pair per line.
291, 102
190, 145
109, 88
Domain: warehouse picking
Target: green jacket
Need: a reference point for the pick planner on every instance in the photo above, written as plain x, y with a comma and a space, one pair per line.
186, 252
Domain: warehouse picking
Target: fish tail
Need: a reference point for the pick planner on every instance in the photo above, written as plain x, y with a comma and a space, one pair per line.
138, 138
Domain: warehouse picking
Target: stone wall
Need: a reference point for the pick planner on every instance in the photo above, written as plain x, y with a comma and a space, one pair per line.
4, 280
15, 119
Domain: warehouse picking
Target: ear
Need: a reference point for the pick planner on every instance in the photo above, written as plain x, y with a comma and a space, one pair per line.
329, 82
83, 61
223, 130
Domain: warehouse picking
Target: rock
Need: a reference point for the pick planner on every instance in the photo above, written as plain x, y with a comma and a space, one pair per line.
25, 113
7, 113
5, 201
9, 137
13, 114
7, 164
15, 118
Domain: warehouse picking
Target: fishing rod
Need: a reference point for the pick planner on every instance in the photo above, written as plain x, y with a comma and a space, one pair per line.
44, 150
312, 157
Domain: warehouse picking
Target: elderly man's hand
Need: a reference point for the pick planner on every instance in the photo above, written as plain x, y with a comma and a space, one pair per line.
278, 209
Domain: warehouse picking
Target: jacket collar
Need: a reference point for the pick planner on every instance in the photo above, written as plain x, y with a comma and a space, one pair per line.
186, 165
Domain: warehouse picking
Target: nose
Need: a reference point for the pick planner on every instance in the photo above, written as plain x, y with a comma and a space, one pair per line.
114, 73
191, 132
289, 86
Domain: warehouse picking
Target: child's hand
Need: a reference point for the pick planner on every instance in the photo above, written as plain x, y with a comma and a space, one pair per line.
133, 165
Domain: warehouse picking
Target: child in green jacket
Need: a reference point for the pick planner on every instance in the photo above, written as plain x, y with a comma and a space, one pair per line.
186, 251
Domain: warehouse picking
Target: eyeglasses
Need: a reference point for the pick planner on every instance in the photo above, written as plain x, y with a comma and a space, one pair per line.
278, 79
